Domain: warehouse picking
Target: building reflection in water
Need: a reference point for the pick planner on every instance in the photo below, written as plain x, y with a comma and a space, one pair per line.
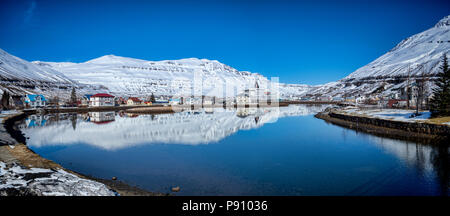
102, 117
191, 127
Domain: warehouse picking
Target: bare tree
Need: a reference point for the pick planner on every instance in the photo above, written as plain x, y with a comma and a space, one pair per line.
73, 97
408, 87
5, 100
420, 90
55, 101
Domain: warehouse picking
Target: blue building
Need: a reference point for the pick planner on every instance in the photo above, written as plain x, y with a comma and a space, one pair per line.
35, 101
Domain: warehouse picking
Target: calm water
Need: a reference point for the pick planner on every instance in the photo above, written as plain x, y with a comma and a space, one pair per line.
282, 151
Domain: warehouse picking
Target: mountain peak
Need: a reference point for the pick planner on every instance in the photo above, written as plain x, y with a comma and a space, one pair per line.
111, 59
443, 22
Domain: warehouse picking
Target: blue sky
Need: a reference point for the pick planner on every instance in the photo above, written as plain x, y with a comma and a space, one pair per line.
310, 42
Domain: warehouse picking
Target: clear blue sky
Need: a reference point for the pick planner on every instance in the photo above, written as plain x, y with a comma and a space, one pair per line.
309, 42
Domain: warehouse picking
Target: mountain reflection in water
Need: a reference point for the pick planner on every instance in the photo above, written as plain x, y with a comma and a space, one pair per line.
265, 151
112, 131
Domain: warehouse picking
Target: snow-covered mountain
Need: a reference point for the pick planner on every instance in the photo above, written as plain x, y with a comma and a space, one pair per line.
20, 76
12, 67
412, 56
191, 76
128, 76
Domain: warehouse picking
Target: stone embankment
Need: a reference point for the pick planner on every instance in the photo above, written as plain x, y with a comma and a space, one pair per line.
396, 129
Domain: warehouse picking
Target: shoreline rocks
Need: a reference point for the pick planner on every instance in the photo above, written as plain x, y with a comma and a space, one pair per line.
37, 176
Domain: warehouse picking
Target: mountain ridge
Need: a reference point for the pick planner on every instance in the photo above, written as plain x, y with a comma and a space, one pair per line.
416, 55
130, 76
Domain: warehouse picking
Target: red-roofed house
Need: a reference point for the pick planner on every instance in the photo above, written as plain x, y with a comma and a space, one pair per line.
396, 103
134, 101
101, 99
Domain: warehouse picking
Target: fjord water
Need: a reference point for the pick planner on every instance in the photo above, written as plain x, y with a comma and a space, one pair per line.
267, 151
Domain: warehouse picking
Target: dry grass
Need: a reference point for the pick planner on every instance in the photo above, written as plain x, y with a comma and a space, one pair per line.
151, 110
439, 120
31, 159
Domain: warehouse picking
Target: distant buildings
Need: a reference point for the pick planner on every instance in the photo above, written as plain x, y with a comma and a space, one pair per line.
121, 101
208, 101
132, 101
361, 99
396, 103
161, 100
192, 100
175, 101
254, 95
350, 99
85, 100
338, 99
101, 99
324, 98
35, 101
306, 98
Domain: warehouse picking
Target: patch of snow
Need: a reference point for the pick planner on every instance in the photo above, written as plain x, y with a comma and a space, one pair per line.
5, 113
49, 182
391, 114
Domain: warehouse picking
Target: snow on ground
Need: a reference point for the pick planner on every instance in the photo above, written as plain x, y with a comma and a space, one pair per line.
4, 113
48, 182
391, 114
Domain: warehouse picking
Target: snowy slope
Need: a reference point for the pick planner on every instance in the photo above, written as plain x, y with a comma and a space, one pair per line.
19, 77
48, 182
12, 67
425, 48
419, 53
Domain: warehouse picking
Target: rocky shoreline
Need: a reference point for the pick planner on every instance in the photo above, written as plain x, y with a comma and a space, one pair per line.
25, 173
411, 131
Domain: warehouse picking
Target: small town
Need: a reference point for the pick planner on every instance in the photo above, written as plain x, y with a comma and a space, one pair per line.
244, 106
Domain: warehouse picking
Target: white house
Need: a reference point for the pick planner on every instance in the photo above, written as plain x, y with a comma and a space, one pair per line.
101, 99
193, 101
208, 102
360, 99
253, 96
35, 100
132, 101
